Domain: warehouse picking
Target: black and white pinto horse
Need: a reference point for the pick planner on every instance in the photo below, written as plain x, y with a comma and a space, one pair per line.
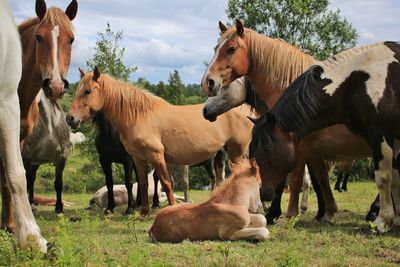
360, 88
49, 142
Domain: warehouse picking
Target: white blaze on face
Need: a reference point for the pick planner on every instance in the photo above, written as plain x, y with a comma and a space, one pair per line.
374, 60
216, 54
56, 77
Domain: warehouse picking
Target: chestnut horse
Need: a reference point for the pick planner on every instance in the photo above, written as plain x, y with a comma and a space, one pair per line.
271, 64
226, 215
12, 173
46, 53
153, 130
360, 88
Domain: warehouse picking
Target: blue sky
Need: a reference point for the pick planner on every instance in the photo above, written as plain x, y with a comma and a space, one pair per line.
161, 36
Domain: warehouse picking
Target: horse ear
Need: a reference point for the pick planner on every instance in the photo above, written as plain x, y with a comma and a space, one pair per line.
82, 72
96, 73
239, 28
271, 119
253, 120
40, 8
72, 9
254, 166
222, 27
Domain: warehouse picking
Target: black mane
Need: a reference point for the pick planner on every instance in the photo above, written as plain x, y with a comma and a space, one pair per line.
299, 103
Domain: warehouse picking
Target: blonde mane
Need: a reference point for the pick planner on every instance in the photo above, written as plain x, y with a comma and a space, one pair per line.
53, 16
126, 100
276, 60
230, 189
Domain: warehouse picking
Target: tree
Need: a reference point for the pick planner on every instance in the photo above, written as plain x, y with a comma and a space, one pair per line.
108, 56
175, 89
307, 24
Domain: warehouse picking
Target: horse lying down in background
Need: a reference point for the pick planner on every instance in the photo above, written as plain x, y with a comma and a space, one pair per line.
224, 216
100, 198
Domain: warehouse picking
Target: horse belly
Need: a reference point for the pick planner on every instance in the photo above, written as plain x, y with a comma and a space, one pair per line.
338, 143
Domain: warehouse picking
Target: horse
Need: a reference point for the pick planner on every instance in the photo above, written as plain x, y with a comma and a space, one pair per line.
153, 130
270, 65
49, 142
46, 52
12, 173
111, 150
226, 215
358, 88
100, 198
343, 172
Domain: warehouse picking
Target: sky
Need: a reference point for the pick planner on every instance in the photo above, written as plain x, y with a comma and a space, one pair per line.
162, 36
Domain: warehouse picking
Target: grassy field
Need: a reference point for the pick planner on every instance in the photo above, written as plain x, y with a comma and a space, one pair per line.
88, 238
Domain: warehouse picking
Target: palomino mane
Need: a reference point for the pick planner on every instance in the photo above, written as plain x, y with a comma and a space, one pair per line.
230, 188
277, 60
53, 16
126, 100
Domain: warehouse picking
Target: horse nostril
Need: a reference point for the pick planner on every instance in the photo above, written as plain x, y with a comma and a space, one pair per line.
70, 120
205, 112
210, 84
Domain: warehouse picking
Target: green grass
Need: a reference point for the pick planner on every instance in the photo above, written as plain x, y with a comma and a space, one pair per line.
83, 238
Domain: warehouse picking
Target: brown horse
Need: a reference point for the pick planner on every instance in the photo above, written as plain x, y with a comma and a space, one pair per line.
152, 130
360, 88
46, 53
224, 216
271, 64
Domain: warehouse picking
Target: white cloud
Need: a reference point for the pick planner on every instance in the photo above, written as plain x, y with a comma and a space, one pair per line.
160, 36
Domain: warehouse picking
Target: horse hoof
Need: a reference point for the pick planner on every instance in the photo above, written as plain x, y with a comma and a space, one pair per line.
108, 211
382, 226
129, 211
155, 206
59, 211
327, 219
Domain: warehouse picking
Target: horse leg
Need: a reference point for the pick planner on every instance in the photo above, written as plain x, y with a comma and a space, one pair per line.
31, 178
160, 166
128, 184
257, 220
106, 166
259, 233
318, 165
382, 155
218, 164
345, 179
317, 190
143, 183
373, 211
27, 231
295, 182
211, 172
396, 182
7, 214
156, 198
306, 191
339, 180
184, 170
58, 184
275, 211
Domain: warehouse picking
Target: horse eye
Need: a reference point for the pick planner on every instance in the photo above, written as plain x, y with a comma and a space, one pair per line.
39, 38
88, 91
231, 50
71, 40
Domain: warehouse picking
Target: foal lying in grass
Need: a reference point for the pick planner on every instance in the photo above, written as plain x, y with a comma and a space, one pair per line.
224, 216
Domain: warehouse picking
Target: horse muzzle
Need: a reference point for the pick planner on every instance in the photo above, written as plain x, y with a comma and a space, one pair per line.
55, 90
73, 122
209, 115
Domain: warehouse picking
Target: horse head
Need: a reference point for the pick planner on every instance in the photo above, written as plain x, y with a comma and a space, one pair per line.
53, 43
230, 59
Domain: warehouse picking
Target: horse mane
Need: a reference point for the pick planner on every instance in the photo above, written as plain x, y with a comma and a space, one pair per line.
230, 188
253, 99
53, 16
277, 60
127, 101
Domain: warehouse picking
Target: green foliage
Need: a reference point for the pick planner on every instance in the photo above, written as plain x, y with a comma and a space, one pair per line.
307, 24
108, 56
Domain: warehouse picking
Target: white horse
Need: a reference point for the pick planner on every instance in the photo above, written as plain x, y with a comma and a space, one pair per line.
12, 169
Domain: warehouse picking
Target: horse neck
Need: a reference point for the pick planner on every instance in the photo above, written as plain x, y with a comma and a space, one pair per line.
231, 193
123, 108
31, 79
275, 64
103, 126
